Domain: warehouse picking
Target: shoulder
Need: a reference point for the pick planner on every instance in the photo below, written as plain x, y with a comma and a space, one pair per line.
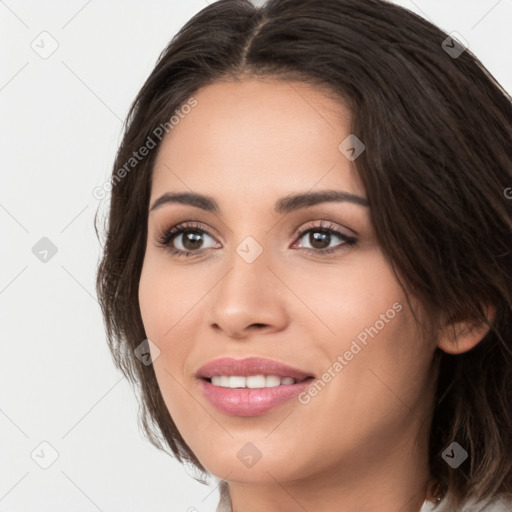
499, 504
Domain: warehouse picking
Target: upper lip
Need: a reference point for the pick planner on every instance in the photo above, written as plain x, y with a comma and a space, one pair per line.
249, 366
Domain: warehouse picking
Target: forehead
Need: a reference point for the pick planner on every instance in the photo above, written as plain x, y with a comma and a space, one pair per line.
254, 136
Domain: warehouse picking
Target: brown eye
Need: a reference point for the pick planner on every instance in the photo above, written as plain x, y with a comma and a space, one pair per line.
190, 240
320, 238
186, 239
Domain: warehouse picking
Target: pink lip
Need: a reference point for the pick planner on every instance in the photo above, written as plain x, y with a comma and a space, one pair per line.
245, 401
249, 366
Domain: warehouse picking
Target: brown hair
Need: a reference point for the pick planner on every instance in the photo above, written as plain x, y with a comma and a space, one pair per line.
438, 134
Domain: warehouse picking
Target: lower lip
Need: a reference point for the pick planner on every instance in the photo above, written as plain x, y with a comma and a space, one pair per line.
250, 402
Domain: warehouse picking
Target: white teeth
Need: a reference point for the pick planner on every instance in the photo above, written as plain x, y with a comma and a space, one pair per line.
236, 381
272, 381
252, 381
255, 381
216, 381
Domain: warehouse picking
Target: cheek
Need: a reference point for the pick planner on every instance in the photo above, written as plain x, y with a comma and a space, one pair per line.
373, 358
374, 397
150, 296
350, 297
166, 296
167, 301
166, 324
161, 314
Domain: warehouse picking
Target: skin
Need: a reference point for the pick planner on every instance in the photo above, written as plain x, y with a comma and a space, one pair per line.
361, 443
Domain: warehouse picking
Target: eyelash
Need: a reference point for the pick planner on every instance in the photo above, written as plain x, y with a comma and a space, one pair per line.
167, 235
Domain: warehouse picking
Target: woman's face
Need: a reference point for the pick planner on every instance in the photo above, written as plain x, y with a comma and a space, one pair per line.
257, 282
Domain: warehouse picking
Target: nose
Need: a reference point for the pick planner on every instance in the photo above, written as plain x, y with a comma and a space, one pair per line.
248, 299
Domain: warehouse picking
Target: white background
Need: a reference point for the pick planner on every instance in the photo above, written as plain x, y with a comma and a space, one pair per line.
61, 121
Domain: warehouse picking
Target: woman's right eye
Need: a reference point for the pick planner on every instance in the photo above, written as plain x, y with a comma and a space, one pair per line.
185, 239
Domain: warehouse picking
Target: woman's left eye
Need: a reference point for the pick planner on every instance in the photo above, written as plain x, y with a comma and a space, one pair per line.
320, 238
189, 238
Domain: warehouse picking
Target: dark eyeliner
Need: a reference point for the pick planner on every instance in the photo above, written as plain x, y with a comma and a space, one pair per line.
329, 229
167, 235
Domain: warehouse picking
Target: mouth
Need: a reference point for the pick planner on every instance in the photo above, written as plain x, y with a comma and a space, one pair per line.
250, 387
251, 381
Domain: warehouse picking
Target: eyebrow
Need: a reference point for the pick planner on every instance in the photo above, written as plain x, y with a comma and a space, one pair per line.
282, 206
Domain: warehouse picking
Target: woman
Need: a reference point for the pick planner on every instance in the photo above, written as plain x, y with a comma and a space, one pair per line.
308, 268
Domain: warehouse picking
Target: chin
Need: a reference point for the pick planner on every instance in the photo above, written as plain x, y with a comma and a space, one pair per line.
243, 460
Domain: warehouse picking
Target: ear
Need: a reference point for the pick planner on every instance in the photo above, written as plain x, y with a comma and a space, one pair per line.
464, 336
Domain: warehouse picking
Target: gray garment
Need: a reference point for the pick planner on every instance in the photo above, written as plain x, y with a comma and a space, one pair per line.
497, 505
